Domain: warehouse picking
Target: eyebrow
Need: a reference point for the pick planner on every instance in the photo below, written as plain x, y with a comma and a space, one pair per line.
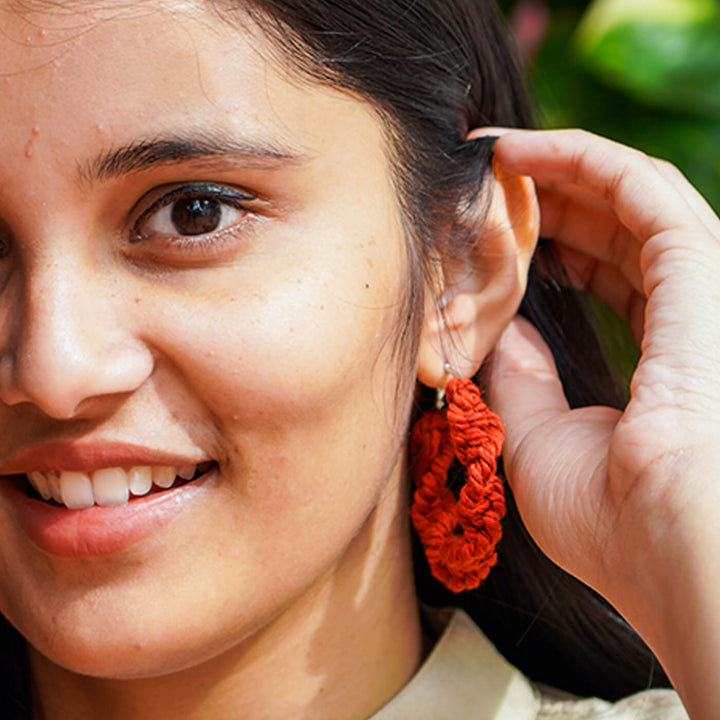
199, 146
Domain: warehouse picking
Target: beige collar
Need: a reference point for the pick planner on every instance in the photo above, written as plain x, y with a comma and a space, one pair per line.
464, 674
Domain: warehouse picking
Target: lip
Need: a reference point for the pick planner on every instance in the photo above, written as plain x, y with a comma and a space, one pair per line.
98, 531
87, 457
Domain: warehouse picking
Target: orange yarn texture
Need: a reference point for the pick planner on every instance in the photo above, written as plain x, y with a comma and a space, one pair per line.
459, 534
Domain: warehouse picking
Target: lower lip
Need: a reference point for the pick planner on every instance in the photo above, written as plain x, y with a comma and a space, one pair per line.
98, 531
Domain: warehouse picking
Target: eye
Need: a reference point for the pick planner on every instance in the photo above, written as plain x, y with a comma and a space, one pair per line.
192, 210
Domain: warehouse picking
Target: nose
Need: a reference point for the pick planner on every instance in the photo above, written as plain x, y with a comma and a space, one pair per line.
65, 341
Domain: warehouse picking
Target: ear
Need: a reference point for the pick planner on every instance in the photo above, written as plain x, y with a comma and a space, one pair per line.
481, 294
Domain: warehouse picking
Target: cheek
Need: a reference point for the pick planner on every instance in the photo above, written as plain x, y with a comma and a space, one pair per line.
293, 359
289, 334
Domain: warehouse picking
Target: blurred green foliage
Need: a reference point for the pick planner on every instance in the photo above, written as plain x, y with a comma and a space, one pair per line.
643, 72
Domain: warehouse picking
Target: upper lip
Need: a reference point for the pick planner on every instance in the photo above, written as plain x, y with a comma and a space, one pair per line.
88, 456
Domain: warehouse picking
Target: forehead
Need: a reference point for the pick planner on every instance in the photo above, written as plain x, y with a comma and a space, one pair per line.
75, 76
135, 50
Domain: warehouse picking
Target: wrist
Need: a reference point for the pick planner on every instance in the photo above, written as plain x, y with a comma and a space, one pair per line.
670, 588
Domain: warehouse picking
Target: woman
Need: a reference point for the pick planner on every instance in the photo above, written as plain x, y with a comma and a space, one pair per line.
235, 238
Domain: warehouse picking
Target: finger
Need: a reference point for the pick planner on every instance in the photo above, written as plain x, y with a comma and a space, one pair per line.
599, 235
626, 178
671, 173
554, 457
524, 386
692, 197
570, 190
608, 284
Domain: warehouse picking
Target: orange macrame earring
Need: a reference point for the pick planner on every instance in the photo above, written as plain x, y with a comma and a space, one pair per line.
459, 534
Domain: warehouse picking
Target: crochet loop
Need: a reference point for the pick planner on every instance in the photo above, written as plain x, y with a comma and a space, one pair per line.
459, 534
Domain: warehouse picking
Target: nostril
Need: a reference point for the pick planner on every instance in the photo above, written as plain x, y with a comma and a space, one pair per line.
10, 393
61, 382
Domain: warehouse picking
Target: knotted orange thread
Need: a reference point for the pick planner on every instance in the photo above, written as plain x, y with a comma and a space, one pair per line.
459, 534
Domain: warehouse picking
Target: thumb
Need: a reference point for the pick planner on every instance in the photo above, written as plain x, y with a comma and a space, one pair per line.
524, 387
555, 458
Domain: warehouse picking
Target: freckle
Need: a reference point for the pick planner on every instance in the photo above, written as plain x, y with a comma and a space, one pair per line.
367, 286
322, 307
370, 263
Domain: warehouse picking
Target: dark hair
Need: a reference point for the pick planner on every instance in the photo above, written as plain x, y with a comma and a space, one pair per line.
433, 69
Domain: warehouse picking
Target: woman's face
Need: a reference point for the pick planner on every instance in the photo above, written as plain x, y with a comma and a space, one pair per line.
202, 265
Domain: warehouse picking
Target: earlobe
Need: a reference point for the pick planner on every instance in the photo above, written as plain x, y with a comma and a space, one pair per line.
445, 332
481, 296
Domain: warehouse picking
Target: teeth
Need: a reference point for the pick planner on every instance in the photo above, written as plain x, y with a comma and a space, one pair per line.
163, 476
76, 490
54, 480
42, 484
108, 486
186, 472
140, 480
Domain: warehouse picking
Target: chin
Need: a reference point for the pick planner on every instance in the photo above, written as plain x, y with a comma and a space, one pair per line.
124, 656
142, 637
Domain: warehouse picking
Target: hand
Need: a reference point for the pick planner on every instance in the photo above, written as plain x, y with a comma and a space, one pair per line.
627, 501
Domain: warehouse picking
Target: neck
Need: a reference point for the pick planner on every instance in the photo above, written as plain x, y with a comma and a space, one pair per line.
342, 650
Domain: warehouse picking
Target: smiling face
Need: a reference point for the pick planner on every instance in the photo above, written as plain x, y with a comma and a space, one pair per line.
202, 262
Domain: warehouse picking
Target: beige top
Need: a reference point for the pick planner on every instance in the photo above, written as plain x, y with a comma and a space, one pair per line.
465, 678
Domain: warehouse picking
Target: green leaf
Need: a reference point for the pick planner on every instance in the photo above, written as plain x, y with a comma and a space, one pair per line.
604, 16
671, 66
572, 95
